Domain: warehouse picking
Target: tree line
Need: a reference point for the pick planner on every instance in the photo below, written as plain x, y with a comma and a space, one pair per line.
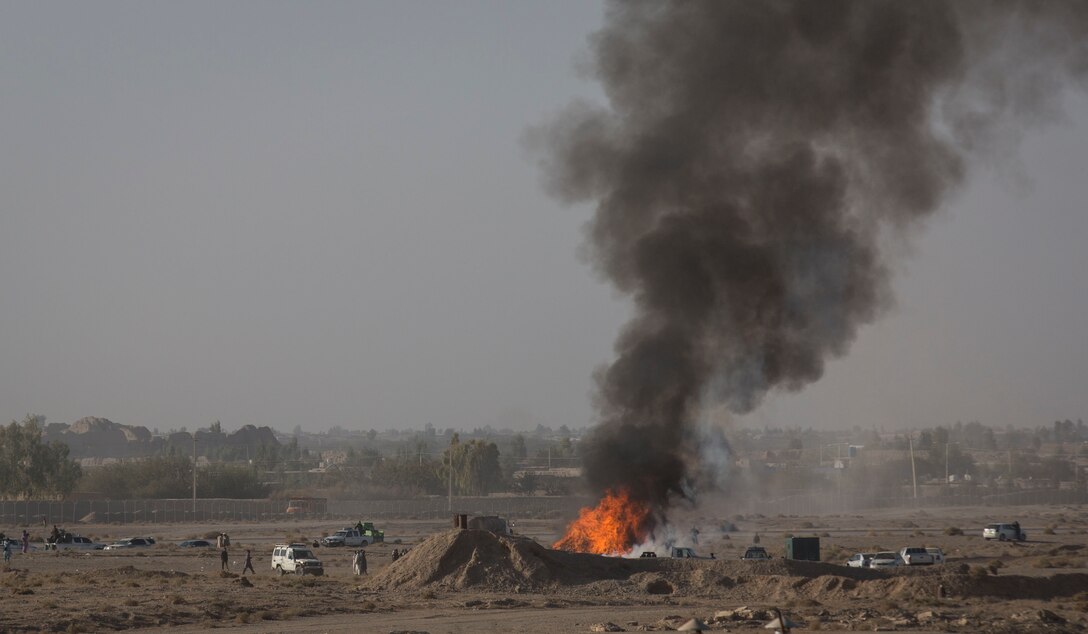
31, 468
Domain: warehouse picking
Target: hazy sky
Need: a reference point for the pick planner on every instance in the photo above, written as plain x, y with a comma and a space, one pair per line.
323, 214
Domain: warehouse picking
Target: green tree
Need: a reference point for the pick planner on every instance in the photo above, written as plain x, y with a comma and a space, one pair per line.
29, 467
475, 464
517, 447
230, 481
408, 476
171, 477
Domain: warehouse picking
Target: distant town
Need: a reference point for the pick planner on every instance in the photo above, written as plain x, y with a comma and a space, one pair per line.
97, 458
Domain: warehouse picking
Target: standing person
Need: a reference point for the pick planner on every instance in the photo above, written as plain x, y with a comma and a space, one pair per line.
224, 559
360, 562
7, 552
26, 542
249, 564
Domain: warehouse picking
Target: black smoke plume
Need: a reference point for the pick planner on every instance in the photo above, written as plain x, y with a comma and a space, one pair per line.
754, 159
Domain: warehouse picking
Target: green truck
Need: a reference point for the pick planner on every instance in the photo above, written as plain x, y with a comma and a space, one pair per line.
372, 534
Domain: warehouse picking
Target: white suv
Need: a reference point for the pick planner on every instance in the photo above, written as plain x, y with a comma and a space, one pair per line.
296, 558
1004, 531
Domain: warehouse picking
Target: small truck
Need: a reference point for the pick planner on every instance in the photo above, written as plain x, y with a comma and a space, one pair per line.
685, 553
368, 531
348, 536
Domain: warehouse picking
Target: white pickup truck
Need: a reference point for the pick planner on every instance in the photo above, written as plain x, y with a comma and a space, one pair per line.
346, 537
916, 556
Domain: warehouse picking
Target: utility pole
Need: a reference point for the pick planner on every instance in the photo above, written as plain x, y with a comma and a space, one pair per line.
913, 472
451, 481
194, 475
946, 463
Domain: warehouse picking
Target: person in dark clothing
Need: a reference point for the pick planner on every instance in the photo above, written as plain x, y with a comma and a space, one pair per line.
224, 559
249, 564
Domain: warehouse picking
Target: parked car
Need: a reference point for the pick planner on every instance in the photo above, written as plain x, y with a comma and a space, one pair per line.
938, 555
755, 552
75, 542
195, 543
296, 558
860, 560
886, 560
349, 536
916, 556
1004, 532
131, 542
686, 553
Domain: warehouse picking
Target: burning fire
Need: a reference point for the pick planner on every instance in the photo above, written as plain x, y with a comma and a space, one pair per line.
614, 527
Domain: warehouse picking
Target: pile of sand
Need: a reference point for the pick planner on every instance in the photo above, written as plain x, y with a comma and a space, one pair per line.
1017, 586
460, 559
486, 561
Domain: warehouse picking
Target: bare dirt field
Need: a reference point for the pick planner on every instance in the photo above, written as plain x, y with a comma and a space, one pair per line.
471, 581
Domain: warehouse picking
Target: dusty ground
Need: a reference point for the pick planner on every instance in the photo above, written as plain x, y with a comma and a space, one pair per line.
1039, 586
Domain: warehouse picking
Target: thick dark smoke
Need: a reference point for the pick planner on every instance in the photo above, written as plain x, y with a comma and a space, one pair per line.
754, 159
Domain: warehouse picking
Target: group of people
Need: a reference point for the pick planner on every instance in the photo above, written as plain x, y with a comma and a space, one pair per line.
358, 560
25, 542
224, 560
222, 542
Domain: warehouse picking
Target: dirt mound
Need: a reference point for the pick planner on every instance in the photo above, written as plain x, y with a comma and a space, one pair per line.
131, 572
1017, 586
480, 559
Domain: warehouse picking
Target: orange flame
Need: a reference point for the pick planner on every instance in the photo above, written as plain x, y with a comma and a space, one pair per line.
614, 527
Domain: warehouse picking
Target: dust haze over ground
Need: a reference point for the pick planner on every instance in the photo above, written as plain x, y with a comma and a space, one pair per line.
754, 163
471, 581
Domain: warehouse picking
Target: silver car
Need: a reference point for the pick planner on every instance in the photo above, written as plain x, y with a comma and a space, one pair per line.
75, 542
130, 542
886, 560
860, 560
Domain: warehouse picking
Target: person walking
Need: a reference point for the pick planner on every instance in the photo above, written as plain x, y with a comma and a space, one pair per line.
224, 559
7, 552
249, 564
